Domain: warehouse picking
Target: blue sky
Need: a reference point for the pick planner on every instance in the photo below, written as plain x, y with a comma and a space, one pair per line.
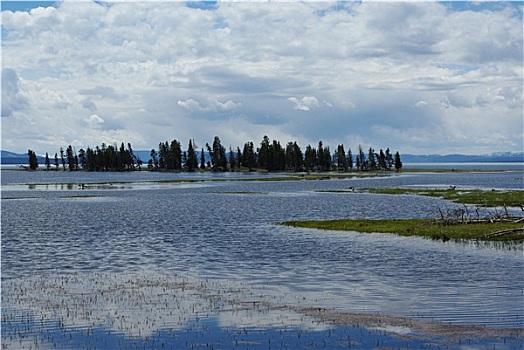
418, 77
24, 5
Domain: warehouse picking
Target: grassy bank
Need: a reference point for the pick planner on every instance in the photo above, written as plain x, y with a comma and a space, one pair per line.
433, 229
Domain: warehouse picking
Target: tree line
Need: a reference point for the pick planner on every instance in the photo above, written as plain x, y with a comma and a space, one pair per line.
268, 156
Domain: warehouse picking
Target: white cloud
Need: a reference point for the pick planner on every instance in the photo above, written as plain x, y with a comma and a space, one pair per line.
211, 105
12, 98
163, 70
306, 103
94, 120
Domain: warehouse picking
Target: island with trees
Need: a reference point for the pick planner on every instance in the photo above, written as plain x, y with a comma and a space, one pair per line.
269, 156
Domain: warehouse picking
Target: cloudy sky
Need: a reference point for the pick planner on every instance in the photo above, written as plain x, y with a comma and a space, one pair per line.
418, 77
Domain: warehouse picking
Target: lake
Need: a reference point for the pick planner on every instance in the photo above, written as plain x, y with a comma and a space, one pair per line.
127, 261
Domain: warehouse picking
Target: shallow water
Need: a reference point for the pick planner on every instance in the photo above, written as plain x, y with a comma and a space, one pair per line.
225, 234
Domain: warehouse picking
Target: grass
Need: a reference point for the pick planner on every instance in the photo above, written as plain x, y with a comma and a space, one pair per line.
418, 227
433, 228
493, 198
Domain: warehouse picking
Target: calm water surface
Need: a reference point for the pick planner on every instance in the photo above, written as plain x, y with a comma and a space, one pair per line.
226, 232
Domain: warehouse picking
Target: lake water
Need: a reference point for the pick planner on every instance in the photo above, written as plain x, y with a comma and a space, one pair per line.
127, 261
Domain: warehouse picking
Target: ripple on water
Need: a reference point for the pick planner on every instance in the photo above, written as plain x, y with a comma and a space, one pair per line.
233, 238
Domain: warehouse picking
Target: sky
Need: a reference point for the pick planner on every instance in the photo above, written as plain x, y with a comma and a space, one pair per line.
420, 77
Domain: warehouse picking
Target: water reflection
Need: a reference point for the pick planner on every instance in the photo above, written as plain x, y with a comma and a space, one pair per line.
157, 310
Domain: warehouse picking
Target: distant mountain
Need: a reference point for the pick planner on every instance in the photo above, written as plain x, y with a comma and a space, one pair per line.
18, 158
462, 158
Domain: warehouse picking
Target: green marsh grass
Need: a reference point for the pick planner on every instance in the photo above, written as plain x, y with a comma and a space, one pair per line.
428, 228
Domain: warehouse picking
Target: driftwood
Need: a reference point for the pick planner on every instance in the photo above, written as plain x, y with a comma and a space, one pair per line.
503, 232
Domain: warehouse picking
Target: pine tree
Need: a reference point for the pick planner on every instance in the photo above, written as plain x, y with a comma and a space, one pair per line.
372, 163
130, 156
294, 157
327, 159
153, 164
218, 155
231, 159
398, 162
382, 160
263, 153
248, 156
202, 160
47, 162
81, 158
192, 162
33, 161
361, 159
350, 159
389, 159
340, 156
70, 158
62, 157
239, 158
310, 158
321, 161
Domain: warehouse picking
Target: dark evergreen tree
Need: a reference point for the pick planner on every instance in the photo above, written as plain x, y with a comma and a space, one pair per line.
340, 155
350, 159
231, 159
33, 161
47, 162
122, 158
202, 160
163, 150
56, 161
294, 157
90, 160
248, 156
130, 157
276, 157
263, 154
82, 158
382, 165
192, 162
321, 159
70, 158
310, 158
62, 158
398, 162
175, 156
153, 164
389, 159
361, 159
372, 163
184, 160
238, 158
327, 159
218, 155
